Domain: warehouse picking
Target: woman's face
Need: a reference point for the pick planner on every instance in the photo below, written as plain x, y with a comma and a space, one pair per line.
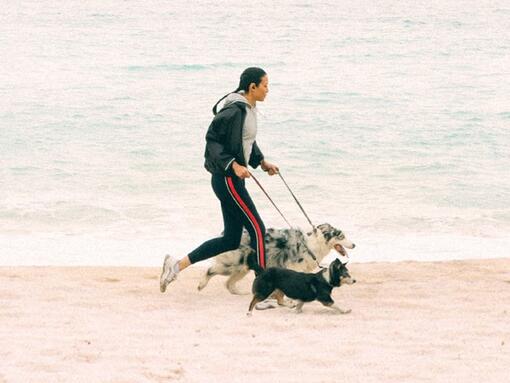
260, 92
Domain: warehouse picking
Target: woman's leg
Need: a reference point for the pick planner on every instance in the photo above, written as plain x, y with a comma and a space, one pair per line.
238, 210
250, 216
233, 229
230, 240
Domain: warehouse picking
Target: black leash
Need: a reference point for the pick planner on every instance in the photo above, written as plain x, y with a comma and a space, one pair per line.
295, 199
267, 195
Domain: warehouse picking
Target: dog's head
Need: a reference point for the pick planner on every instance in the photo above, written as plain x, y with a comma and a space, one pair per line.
335, 239
339, 274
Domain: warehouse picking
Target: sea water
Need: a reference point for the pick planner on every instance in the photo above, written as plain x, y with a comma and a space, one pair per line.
389, 120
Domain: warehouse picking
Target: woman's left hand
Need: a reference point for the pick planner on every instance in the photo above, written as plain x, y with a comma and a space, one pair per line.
269, 168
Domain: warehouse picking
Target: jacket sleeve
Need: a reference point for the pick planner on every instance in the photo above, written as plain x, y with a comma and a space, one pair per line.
215, 139
256, 156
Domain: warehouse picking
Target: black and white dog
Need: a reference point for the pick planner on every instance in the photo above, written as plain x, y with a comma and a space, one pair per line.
302, 287
285, 248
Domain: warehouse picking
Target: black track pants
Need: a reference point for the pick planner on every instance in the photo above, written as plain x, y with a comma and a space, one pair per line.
238, 212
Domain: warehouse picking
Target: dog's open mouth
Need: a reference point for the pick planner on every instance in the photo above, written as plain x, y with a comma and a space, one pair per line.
341, 250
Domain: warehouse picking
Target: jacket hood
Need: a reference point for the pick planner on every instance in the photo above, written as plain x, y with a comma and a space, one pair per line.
235, 97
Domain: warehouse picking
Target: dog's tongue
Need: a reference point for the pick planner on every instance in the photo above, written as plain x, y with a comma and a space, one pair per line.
341, 250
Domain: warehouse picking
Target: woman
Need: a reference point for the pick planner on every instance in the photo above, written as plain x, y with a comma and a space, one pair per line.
230, 148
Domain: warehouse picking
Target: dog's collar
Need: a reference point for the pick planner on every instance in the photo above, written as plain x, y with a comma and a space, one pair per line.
322, 272
312, 254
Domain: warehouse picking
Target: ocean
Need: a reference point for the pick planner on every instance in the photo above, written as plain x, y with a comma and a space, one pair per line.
388, 120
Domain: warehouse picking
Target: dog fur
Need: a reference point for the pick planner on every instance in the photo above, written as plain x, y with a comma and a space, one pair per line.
302, 287
285, 248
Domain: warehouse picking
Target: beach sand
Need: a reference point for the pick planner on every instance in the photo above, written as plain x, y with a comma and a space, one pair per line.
410, 322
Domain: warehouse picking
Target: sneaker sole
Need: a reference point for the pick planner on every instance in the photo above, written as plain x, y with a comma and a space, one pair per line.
162, 279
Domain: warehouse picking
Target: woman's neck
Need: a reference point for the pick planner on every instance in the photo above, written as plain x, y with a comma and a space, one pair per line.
251, 99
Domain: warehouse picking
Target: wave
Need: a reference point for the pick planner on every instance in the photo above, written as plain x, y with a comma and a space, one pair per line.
194, 67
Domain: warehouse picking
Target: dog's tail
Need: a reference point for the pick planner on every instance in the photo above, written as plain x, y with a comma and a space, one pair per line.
252, 263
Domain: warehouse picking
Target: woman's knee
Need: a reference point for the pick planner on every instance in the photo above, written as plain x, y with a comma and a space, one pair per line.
231, 243
256, 229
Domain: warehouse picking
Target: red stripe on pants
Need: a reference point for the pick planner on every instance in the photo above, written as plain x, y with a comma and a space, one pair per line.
260, 237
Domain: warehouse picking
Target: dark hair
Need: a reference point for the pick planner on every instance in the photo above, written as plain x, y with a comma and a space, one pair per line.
249, 75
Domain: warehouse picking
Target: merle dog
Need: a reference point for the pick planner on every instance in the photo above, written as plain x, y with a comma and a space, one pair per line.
285, 248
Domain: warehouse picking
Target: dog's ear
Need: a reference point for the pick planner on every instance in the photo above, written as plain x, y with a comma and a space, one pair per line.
337, 262
340, 262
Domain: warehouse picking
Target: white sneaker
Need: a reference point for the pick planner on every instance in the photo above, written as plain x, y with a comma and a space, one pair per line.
168, 274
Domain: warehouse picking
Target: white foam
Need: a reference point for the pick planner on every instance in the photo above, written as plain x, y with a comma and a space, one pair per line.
86, 250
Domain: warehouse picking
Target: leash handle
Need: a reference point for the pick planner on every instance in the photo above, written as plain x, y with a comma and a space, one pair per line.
267, 195
295, 199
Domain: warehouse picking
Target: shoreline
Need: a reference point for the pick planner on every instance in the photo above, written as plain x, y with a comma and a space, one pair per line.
411, 321
89, 250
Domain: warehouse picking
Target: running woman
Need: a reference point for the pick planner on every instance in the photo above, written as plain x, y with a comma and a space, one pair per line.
230, 148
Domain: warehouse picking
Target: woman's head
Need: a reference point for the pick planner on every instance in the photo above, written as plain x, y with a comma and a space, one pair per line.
253, 82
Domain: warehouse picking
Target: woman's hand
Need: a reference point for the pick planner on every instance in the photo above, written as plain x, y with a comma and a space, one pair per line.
269, 168
240, 170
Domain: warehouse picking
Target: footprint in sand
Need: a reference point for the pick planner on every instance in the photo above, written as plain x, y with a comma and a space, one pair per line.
110, 280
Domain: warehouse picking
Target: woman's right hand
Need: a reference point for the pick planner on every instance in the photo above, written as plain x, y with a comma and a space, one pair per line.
240, 170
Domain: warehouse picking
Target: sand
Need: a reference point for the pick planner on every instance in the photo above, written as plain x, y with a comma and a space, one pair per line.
410, 322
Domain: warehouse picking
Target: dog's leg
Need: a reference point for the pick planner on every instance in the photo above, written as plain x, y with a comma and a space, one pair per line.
233, 279
280, 298
207, 276
337, 309
278, 295
299, 307
216, 269
253, 302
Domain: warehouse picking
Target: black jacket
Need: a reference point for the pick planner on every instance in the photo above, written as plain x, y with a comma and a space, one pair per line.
224, 141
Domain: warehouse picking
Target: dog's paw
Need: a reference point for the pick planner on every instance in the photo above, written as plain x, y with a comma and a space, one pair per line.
338, 310
265, 305
249, 314
289, 303
201, 286
235, 291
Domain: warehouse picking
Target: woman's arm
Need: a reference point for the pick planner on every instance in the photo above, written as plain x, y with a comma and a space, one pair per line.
215, 147
257, 158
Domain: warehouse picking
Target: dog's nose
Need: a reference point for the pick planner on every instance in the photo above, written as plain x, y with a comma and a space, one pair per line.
353, 245
354, 281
